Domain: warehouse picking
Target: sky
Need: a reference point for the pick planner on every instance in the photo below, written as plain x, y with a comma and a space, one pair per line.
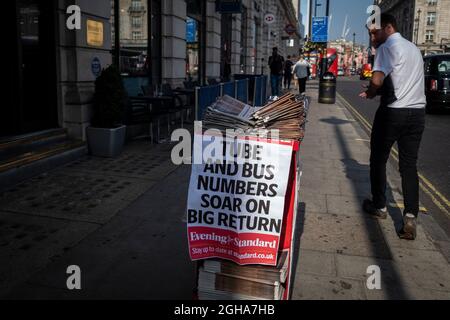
357, 17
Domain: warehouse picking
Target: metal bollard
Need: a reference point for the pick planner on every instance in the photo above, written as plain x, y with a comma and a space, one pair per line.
327, 88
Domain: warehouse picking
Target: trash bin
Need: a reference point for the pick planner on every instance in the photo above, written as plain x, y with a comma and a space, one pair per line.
327, 88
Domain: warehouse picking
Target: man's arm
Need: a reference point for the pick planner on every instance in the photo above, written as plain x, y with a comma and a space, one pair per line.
375, 84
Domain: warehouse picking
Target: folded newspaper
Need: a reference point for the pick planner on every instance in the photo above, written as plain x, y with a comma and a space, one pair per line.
286, 114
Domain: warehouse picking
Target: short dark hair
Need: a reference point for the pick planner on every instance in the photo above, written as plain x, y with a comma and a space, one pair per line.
289, 57
275, 48
386, 19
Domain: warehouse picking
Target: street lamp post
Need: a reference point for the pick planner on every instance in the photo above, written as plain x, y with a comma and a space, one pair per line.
315, 7
353, 50
417, 26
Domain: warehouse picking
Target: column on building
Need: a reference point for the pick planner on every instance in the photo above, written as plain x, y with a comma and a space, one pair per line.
236, 45
260, 54
213, 29
174, 42
77, 63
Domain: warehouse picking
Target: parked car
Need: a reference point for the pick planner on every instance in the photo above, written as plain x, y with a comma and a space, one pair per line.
341, 72
437, 81
366, 72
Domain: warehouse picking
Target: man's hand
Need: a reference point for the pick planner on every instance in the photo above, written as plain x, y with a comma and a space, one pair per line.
366, 94
375, 84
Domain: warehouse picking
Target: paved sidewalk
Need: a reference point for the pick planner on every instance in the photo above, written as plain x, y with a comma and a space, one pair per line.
337, 241
120, 220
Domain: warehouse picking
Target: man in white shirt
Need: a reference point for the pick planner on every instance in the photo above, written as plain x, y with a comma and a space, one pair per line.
301, 71
399, 77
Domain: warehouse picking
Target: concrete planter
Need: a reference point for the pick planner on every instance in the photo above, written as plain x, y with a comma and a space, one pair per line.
106, 142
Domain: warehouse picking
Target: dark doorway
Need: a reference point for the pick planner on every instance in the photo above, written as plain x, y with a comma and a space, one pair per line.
31, 68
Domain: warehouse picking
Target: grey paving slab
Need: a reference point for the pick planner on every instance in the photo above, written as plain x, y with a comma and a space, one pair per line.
73, 195
444, 247
139, 165
316, 263
28, 243
320, 186
348, 205
396, 274
406, 293
344, 235
314, 202
140, 254
312, 287
422, 242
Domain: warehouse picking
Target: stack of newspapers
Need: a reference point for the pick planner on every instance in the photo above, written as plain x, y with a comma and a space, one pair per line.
229, 113
225, 280
286, 114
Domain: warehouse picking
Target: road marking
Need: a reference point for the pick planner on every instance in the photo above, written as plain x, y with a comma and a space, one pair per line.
395, 155
363, 140
402, 206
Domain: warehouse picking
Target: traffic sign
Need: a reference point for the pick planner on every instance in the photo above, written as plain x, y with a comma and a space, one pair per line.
269, 18
319, 29
290, 29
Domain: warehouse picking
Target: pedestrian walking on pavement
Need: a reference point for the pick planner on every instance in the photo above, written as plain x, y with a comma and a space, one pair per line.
276, 63
301, 71
398, 76
288, 73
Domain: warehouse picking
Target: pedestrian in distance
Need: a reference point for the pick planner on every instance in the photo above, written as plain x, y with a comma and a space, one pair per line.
398, 76
302, 72
276, 63
288, 73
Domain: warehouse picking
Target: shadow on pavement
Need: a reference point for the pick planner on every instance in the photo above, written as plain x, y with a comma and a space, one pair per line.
353, 167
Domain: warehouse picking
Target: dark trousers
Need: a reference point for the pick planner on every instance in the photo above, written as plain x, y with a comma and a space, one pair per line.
404, 126
302, 85
287, 80
275, 82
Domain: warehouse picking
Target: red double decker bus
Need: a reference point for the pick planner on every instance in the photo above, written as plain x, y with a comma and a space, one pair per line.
331, 61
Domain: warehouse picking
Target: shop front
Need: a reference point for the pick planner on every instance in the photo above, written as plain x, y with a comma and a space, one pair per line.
136, 42
195, 40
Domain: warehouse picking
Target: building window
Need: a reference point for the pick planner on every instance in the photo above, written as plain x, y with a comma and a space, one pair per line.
137, 35
192, 49
136, 22
432, 2
136, 5
431, 18
429, 36
290, 43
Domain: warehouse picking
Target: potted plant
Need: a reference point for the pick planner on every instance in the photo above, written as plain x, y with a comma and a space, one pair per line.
106, 135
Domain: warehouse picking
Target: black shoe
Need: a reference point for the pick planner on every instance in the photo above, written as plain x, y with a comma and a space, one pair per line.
408, 231
369, 207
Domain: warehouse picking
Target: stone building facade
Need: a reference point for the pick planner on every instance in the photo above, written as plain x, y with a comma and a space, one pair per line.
150, 40
424, 22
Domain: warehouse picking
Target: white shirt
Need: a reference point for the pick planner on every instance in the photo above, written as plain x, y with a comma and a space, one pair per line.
301, 69
402, 60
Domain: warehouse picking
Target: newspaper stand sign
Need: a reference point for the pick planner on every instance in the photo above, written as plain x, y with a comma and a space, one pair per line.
237, 198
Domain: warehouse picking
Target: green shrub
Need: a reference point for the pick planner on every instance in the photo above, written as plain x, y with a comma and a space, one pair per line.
109, 99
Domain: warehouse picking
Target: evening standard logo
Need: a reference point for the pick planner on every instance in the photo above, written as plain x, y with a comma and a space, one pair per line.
194, 236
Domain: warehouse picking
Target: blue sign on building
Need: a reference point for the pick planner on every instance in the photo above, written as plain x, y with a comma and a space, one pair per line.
191, 30
229, 6
96, 67
319, 29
